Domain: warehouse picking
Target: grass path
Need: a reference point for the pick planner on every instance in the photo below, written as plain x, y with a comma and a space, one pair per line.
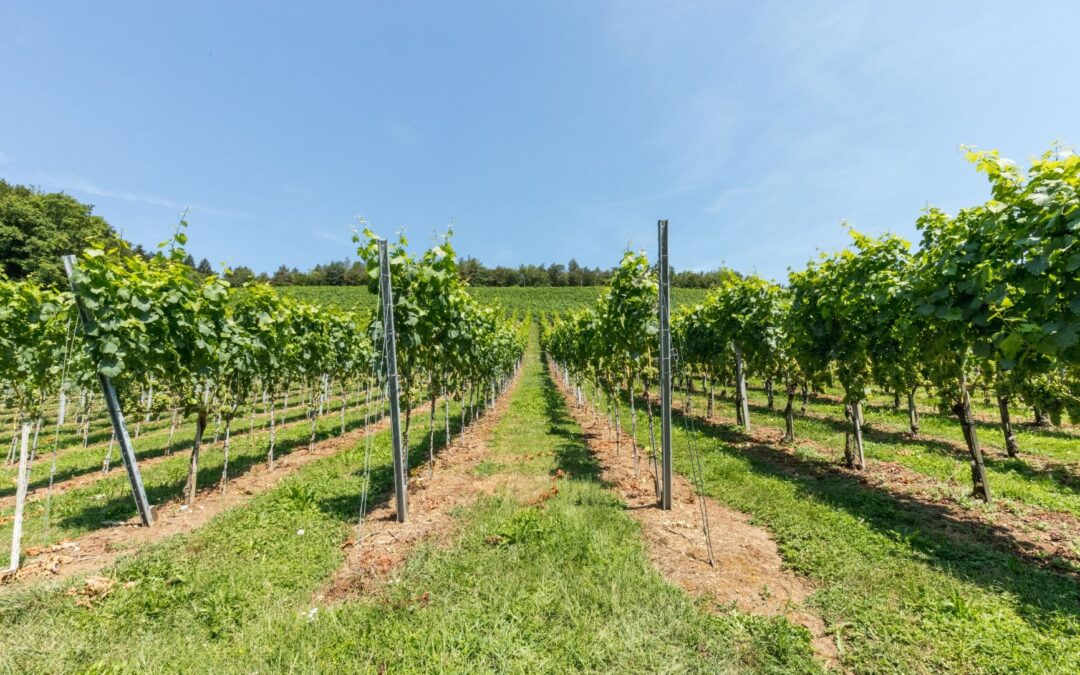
174, 605
550, 574
1059, 444
544, 576
103, 503
74, 462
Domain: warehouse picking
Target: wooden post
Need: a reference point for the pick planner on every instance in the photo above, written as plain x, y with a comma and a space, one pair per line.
386, 294
20, 499
665, 365
112, 403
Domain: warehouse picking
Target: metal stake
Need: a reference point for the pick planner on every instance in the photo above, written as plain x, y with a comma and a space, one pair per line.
115, 414
665, 365
386, 294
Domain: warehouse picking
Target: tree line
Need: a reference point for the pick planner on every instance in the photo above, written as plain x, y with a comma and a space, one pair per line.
352, 273
37, 228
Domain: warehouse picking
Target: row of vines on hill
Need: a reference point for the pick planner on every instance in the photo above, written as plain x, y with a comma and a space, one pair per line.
612, 344
180, 344
991, 297
448, 343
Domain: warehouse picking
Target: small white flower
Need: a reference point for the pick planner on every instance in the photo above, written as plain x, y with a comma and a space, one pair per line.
312, 613
300, 533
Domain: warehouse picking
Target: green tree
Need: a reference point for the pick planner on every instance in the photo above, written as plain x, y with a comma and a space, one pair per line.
38, 228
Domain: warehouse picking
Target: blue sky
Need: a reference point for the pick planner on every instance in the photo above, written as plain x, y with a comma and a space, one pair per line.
543, 130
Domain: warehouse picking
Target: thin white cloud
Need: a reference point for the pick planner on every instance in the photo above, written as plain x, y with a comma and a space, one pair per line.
734, 194
78, 184
221, 213
675, 191
74, 183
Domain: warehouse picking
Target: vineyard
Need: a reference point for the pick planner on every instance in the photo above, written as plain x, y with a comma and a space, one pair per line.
873, 466
536, 301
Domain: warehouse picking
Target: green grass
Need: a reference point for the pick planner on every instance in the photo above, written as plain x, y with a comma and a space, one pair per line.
1056, 444
108, 500
562, 589
191, 595
1049, 485
903, 584
73, 460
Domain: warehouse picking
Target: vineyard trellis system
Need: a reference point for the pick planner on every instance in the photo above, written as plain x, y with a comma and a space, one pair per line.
991, 298
161, 341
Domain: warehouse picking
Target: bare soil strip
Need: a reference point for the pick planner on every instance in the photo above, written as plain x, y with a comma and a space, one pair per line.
748, 571
101, 548
383, 544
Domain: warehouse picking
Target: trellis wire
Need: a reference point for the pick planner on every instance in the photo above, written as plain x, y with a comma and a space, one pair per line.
697, 471
369, 442
68, 344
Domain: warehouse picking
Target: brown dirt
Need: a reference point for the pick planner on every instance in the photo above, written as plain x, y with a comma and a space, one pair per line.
382, 545
100, 548
748, 570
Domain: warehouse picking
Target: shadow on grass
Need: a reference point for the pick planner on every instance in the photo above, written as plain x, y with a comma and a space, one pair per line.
1052, 432
120, 508
977, 552
1063, 474
152, 445
982, 425
572, 455
986, 429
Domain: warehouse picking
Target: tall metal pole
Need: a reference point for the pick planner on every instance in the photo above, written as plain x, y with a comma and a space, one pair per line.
115, 414
386, 294
665, 365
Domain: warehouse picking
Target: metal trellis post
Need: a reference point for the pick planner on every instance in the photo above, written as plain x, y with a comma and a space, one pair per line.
665, 365
115, 414
386, 295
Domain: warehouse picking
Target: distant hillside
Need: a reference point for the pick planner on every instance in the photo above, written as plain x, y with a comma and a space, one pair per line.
512, 299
